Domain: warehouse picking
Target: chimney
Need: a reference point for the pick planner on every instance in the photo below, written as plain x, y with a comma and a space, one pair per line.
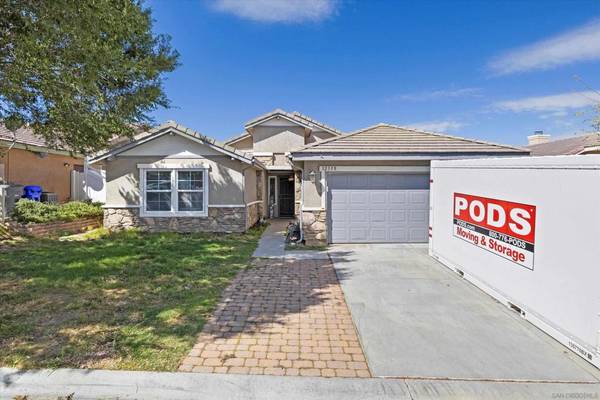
538, 137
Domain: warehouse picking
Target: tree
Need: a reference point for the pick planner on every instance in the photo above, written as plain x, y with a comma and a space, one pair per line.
79, 72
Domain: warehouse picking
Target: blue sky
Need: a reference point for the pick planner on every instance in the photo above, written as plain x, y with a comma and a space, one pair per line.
488, 70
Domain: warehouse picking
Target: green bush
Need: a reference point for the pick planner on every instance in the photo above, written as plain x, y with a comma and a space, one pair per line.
29, 211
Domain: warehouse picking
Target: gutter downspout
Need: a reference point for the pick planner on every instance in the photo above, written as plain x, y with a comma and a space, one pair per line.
301, 222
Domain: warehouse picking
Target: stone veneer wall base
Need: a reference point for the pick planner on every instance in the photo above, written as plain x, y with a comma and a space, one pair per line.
221, 219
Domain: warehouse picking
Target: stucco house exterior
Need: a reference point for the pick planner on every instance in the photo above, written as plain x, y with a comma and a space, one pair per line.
371, 185
26, 159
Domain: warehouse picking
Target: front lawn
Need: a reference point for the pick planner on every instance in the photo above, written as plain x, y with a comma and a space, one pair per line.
129, 300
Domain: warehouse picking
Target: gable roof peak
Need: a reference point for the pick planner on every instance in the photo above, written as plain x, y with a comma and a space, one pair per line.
173, 127
295, 117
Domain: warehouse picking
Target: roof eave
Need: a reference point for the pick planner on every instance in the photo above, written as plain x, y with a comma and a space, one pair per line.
310, 156
171, 127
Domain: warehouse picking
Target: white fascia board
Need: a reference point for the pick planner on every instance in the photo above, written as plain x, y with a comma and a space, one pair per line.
280, 116
37, 149
175, 131
375, 168
317, 157
173, 166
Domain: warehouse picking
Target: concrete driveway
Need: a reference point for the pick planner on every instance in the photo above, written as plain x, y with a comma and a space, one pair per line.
416, 318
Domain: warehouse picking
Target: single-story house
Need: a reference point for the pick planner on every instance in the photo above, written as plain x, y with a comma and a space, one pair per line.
26, 159
371, 185
540, 144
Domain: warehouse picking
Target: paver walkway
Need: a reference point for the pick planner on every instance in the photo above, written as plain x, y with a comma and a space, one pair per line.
281, 317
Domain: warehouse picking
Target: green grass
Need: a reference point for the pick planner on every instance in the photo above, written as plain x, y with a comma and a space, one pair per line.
128, 300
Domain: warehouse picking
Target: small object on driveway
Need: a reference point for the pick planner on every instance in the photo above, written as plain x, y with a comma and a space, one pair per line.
293, 233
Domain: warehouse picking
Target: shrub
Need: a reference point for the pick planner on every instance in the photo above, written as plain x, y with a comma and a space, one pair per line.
29, 211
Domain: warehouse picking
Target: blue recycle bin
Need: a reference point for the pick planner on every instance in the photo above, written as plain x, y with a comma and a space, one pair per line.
32, 192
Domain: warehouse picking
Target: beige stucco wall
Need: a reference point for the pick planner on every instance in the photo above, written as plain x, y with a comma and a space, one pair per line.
226, 176
244, 145
278, 139
313, 191
250, 193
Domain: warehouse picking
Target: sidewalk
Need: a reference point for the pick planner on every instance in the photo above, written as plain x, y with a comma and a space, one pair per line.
98, 384
272, 244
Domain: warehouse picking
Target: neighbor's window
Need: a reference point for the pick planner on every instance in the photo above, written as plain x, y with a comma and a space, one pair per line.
173, 192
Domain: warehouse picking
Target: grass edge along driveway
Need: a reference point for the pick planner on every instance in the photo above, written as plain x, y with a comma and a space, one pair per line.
127, 300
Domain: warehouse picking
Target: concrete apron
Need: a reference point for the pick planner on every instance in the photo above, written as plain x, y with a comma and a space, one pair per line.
272, 244
416, 318
98, 384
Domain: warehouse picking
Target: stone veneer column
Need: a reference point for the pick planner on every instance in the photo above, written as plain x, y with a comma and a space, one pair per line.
314, 224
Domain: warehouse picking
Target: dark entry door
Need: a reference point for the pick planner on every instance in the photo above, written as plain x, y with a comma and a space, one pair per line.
286, 197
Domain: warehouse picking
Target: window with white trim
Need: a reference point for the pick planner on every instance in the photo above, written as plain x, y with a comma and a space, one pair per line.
172, 192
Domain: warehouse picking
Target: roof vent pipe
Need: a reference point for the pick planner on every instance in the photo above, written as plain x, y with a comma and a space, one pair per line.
538, 137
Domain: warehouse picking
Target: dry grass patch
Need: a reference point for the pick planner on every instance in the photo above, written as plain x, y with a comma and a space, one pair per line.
121, 301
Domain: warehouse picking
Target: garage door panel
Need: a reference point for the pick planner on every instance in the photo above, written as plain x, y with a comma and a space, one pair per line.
418, 216
398, 216
378, 197
418, 235
377, 216
372, 208
339, 235
397, 197
357, 217
420, 196
340, 197
399, 235
378, 235
358, 234
359, 198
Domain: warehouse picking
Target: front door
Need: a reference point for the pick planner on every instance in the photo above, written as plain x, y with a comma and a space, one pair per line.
286, 196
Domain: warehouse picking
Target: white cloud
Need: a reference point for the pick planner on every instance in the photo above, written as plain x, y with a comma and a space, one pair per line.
556, 103
581, 44
437, 94
289, 11
438, 126
555, 114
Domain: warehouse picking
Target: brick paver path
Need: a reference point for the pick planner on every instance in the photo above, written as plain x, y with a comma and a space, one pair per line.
281, 317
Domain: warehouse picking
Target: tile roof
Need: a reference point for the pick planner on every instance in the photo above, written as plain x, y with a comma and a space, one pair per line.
569, 146
24, 135
294, 116
139, 138
237, 138
387, 138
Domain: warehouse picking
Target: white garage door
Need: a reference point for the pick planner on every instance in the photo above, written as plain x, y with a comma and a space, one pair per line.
378, 208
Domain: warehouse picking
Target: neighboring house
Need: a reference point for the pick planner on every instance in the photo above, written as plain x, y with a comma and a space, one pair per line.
26, 159
541, 145
371, 185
